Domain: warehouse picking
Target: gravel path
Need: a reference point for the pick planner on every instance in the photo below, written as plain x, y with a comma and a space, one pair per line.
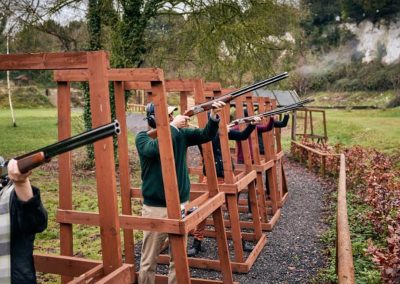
293, 253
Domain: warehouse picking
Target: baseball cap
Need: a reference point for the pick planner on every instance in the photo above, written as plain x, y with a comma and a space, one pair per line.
171, 109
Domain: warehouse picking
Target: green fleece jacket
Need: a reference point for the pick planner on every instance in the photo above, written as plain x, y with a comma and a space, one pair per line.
149, 155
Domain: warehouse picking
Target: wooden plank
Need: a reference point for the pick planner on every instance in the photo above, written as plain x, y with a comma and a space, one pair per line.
89, 276
208, 207
63, 265
345, 265
163, 279
197, 199
172, 226
124, 169
169, 178
269, 154
121, 275
211, 264
313, 150
139, 75
212, 86
136, 74
235, 227
44, 61
65, 168
78, 75
184, 101
212, 182
137, 86
105, 164
247, 179
179, 85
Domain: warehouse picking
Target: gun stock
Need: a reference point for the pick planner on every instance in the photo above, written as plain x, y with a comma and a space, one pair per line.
29, 163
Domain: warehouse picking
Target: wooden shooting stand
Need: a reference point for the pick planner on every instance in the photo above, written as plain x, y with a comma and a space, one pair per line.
111, 269
308, 120
75, 269
270, 212
200, 191
234, 183
277, 170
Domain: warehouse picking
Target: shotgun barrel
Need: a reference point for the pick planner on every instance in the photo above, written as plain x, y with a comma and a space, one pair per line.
273, 112
227, 98
31, 160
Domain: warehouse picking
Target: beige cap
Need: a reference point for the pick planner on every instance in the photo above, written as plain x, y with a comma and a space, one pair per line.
171, 109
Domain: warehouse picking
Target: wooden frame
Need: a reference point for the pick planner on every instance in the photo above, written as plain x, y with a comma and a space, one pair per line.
308, 120
201, 91
232, 186
96, 65
152, 80
269, 211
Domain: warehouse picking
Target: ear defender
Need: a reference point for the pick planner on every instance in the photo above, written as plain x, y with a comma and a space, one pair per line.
150, 115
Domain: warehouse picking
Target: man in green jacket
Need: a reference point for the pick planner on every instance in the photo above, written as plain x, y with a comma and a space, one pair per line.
154, 204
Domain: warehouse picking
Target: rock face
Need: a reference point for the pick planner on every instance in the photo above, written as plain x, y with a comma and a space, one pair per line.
377, 41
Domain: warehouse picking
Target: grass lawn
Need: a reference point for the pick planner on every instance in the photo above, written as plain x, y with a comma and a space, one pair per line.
378, 129
37, 128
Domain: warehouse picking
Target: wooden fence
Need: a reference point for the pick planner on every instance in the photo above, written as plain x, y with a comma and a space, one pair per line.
344, 255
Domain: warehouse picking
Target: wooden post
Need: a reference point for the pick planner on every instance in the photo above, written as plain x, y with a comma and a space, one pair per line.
65, 169
248, 162
311, 126
124, 171
105, 165
177, 242
184, 101
323, 165
269, 154
324, 123
305, 123
212, 183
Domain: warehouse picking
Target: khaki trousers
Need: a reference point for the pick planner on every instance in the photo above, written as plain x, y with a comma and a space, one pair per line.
152, 242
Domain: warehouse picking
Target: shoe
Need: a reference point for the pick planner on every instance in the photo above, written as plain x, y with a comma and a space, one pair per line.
246, 246
195, 248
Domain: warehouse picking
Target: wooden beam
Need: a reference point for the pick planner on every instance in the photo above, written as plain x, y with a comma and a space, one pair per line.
63, 265
44, 61
179, 85
121, 275
206, 209
171, 226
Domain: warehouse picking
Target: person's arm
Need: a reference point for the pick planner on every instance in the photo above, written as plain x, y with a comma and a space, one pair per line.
147, 146
206, 134
282, 123
202, 135
241, 135
266, 127
29, 215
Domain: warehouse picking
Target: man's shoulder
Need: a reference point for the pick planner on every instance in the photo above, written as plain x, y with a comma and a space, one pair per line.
141, 134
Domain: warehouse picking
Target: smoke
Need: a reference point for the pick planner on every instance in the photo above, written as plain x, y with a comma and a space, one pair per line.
379, 41
324, 63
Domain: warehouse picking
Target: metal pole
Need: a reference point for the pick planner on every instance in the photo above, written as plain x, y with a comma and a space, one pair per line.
8, 87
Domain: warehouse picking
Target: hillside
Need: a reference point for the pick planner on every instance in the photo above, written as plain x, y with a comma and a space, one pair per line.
351, 99
35, 97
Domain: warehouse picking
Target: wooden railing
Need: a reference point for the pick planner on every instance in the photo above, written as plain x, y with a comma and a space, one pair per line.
312, 151
344, 255
136, 108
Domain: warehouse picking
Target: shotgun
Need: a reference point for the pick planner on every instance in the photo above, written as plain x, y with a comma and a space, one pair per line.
31, 160
227, 98
273, 112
